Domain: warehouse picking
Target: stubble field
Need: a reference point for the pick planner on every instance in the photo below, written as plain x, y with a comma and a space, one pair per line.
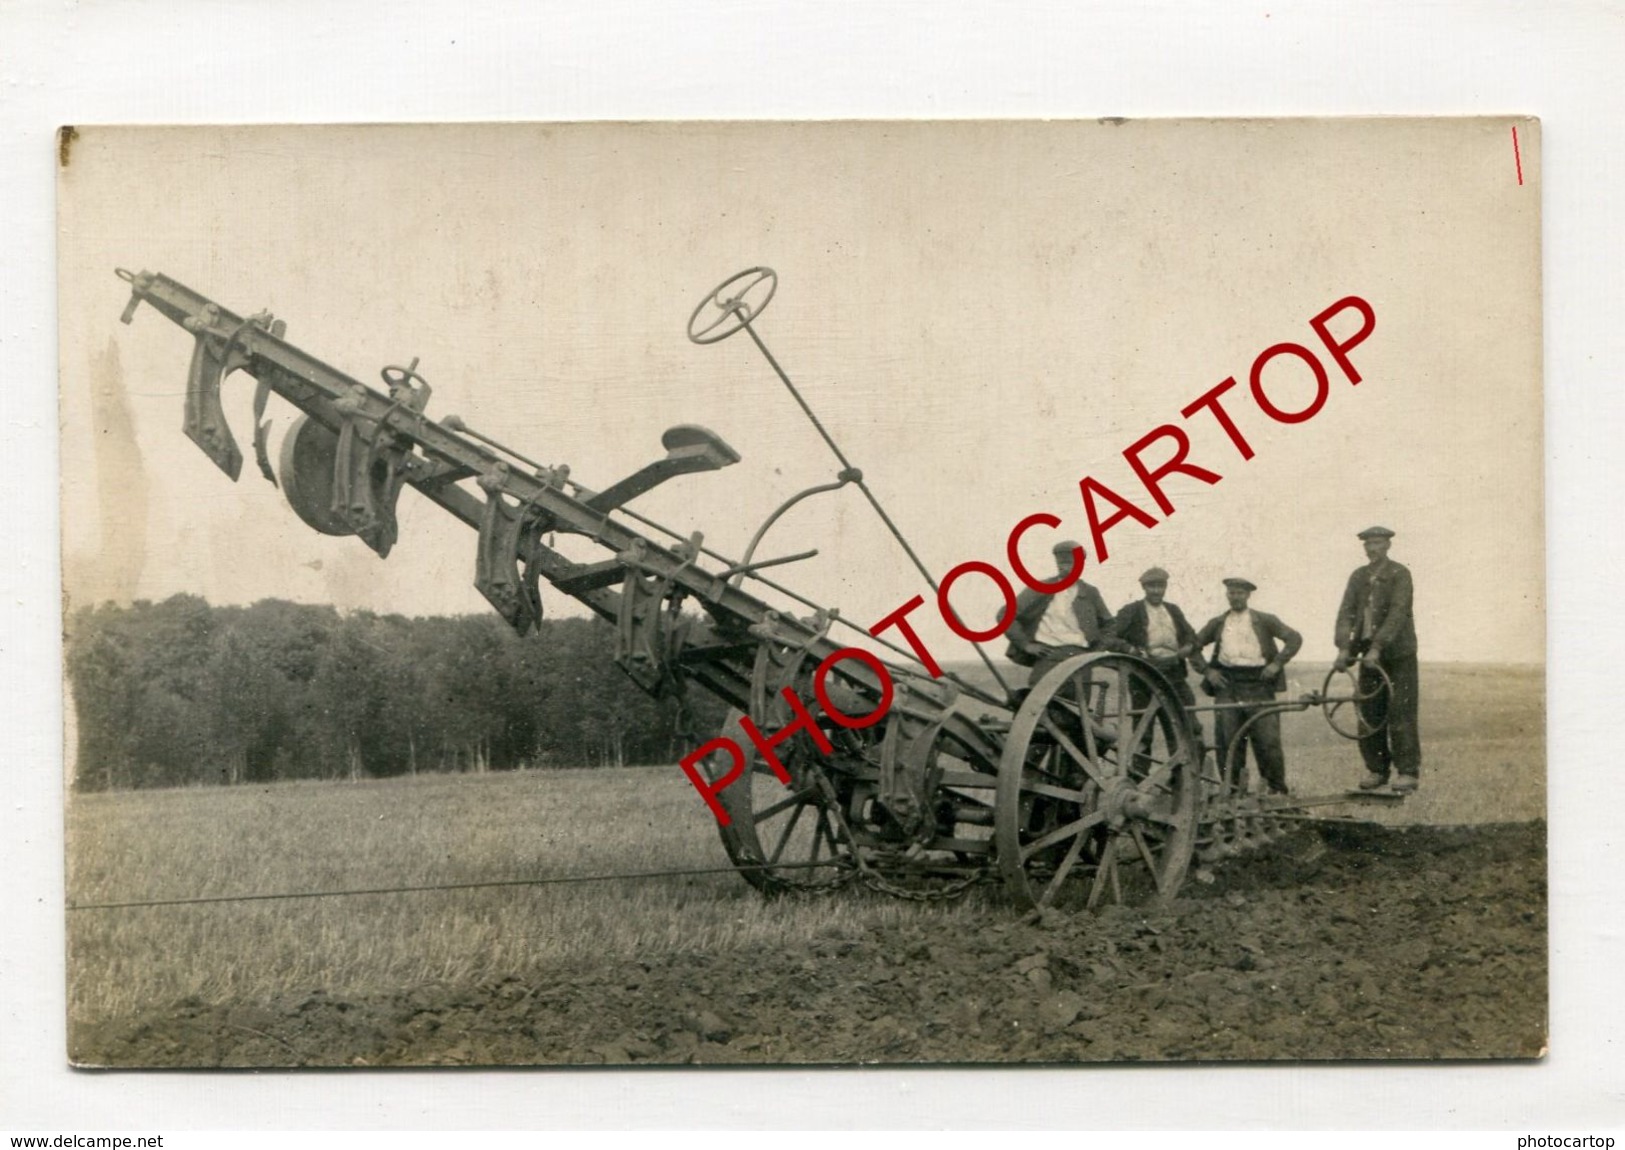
1421, 937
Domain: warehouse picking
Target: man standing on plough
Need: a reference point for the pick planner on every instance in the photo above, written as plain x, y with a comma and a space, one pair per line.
1375, 624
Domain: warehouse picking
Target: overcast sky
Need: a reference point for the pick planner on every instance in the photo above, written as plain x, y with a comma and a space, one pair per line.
981, 313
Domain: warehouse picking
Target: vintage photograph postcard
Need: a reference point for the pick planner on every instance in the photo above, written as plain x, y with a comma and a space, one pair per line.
1059, 592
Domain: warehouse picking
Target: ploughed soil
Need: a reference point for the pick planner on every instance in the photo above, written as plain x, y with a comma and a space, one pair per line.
1339, 942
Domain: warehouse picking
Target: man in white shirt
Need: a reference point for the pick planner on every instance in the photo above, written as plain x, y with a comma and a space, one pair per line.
1250, 651
1041, 637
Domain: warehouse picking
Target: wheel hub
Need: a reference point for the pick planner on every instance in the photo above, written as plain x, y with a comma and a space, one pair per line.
1121, 801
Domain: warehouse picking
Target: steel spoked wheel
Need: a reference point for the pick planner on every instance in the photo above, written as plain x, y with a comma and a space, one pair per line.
1100, 781
782, 838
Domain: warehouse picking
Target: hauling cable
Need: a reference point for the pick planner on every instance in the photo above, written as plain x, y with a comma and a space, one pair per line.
557, 880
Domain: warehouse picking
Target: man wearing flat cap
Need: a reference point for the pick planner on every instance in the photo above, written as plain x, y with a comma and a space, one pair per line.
1049, 628
1250, 652
1158, 632
1375, 625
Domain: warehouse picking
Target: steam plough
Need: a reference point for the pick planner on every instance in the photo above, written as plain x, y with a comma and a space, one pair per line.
1092, 783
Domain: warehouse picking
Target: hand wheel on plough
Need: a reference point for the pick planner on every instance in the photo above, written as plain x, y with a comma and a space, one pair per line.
1368, 691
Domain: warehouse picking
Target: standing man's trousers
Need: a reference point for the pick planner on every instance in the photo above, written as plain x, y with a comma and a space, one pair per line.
1398, 745
1249, 688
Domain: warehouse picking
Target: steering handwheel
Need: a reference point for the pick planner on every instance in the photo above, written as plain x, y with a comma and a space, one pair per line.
397, 376
729, 297
1381, 686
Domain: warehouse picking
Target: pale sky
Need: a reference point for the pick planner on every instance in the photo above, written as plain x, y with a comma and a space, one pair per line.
981, 313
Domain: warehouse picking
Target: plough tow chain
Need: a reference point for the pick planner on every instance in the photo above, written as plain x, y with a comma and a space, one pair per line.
944, 893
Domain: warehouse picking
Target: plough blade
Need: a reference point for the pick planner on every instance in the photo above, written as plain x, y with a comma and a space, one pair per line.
367, 482
516, 596
262, 431
205, 423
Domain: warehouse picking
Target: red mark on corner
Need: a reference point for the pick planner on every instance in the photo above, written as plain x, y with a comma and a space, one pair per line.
1517, 157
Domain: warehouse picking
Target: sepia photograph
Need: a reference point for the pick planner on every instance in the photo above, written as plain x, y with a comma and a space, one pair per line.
1010, 592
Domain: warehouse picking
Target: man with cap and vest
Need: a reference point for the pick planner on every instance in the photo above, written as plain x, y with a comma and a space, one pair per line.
1250, 652
1050, 628
1375, 625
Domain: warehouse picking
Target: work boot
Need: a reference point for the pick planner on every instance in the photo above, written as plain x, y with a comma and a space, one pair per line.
1405, 784
1373, 780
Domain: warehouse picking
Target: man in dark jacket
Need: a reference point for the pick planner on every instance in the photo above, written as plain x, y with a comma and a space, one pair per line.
1159, 633
1040, 637
1375, 624
1250, 652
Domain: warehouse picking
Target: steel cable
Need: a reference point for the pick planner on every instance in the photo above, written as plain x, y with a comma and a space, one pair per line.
553, 881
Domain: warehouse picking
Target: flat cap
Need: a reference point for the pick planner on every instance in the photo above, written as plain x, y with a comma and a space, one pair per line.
1155, 575
1244, 584
1067, 546
1375, 533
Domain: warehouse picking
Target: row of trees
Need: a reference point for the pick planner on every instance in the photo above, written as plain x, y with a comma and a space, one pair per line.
181, 693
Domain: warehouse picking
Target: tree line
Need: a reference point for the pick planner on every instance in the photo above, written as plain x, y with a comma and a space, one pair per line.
181, 693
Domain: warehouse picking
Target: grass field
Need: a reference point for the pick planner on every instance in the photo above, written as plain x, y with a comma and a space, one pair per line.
1483, 739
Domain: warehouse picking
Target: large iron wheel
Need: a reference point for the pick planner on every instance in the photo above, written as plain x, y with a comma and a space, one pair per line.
1100, 779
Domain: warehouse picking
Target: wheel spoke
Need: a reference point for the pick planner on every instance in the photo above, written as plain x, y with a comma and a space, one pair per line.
1145, 853
1108, 860
1087, 762
1076, 827
1054, 792
784, 835
826, 825
783, 804
1157, 778
1061, 872
1140, 729
828, 831
1126, 743
1102, 692
1087, 718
